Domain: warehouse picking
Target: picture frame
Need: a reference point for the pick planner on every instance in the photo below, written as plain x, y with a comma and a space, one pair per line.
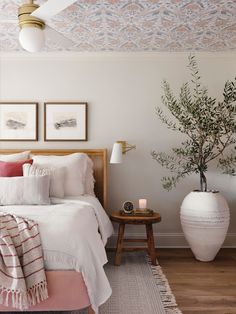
18, 121
65, 121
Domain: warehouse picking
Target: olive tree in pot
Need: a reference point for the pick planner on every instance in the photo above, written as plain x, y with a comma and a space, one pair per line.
209, 127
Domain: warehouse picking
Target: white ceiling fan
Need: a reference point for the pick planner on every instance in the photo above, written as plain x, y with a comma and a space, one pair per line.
32, 21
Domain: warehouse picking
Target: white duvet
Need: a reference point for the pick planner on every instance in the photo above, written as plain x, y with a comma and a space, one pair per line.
70, 239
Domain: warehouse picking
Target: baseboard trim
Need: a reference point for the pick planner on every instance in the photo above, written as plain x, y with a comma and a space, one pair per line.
171, 240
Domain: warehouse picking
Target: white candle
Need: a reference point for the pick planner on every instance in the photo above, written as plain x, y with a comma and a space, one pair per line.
142, 203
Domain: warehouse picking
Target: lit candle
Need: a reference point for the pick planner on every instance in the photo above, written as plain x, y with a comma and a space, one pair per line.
142, 203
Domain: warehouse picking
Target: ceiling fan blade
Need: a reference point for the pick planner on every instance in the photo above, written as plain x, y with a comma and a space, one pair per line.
5, 21
58, 38
51, 8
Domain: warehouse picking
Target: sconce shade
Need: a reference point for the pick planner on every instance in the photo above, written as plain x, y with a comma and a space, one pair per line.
116, 155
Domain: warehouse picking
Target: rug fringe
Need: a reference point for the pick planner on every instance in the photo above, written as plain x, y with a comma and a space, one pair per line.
167, 296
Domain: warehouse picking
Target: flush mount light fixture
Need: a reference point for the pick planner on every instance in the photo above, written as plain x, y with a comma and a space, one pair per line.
120, 148
31, 35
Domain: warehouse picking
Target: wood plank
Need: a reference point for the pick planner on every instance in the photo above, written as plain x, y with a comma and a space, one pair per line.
199, 287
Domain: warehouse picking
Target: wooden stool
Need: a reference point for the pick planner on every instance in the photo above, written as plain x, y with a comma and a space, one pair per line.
135, 220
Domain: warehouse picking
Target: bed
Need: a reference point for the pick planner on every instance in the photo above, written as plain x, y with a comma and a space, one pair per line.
66, 281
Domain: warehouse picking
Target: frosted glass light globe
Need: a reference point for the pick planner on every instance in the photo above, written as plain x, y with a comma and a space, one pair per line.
32, 38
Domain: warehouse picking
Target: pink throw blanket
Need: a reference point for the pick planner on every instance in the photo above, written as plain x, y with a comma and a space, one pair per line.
22, 274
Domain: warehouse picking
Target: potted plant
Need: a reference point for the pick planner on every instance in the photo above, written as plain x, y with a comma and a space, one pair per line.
209, 127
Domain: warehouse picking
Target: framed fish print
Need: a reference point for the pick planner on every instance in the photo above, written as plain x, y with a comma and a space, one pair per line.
65, 121
18, 121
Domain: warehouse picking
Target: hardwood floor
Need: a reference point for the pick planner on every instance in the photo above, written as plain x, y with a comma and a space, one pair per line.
201, 288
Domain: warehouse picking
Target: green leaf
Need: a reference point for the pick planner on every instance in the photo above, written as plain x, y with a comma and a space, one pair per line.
209, 125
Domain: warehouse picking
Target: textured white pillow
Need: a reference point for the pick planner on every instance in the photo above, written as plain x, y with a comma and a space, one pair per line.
56, 178
89, 178
15, 157
24, 190
75, 170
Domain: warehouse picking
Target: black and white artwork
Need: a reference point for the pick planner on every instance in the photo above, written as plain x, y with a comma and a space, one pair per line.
65, 121
18, 121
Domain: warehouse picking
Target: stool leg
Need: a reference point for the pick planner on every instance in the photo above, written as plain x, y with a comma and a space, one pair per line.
90, 310
151, 244
119, 246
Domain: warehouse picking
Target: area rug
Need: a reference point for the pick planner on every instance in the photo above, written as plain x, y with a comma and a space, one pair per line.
137, 288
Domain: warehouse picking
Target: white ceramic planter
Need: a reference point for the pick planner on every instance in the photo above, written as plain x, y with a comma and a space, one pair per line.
205, 220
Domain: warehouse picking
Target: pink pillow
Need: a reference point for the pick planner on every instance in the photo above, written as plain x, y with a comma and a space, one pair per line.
13, 169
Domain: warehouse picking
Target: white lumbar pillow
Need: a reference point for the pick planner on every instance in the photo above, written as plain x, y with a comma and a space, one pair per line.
75, 170
56, 175
24, 190
15, 157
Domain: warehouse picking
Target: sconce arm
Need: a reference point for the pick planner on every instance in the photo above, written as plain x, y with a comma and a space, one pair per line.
126, 146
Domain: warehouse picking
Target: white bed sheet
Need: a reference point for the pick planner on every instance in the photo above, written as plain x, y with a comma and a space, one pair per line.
105, 226
70, 239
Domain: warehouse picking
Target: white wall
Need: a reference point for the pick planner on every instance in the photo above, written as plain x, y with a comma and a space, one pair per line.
122, 91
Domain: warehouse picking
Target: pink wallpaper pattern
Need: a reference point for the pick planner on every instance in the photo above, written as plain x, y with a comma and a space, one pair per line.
134, 25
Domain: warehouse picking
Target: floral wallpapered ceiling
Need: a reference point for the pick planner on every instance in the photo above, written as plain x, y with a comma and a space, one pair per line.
132, 25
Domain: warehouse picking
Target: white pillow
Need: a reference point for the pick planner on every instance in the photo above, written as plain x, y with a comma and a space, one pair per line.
56, 178
89, 178
15, 157
24, 190
75, 170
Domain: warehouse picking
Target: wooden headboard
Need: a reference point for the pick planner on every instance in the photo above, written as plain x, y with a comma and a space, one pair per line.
98, 156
